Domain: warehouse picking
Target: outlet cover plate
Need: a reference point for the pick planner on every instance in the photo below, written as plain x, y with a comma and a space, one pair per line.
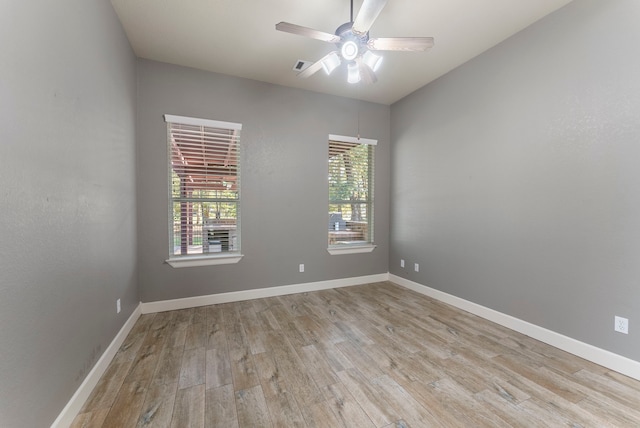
621, 325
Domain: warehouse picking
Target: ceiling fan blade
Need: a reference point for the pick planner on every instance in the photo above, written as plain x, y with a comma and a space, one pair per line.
366, 15
366, 73
307, 32
400, 44
316, 66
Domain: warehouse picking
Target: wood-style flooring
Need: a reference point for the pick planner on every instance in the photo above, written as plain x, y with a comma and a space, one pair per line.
376, 355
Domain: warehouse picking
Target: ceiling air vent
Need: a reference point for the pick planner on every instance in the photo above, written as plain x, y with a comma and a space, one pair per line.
301, 65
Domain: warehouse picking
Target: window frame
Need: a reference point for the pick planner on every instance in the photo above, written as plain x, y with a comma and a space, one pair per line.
359, 247
201, 259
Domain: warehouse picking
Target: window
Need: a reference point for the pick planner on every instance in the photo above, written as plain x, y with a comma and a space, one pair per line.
351, 166
204, 191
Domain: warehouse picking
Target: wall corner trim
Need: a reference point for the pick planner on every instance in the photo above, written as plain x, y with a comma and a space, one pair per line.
618, 363
68, 414
237, 296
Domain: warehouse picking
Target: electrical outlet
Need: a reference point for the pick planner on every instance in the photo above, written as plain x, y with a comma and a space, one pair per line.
416, 267
301, 267
118, 306
621, 325
401, 263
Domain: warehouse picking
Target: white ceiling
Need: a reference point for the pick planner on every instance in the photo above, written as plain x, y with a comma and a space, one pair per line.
238, 37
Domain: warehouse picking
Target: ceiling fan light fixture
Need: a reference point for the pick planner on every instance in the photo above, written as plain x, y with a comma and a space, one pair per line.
354, 45
372, 60
349, 50
331, 62
353, 73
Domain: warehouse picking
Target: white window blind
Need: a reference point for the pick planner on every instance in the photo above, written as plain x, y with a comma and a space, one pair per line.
351, 168
204, 186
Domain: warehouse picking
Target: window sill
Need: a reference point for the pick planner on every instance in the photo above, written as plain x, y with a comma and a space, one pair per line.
351, 249
183, 262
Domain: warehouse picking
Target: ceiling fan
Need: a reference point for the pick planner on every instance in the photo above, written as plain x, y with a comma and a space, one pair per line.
354, 45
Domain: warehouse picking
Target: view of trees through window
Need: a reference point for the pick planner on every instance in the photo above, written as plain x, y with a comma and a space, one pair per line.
350, 192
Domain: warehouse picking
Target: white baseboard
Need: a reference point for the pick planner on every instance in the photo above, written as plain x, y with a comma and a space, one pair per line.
237, 296
68, 414
605, 358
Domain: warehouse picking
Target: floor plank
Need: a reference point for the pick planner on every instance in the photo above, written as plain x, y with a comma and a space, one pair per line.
108, 387
220, 408
345, 407
252, 408
192, 371
218, 368
127, 407
188, 410
157, 410
168, 367
368, 397
91, 419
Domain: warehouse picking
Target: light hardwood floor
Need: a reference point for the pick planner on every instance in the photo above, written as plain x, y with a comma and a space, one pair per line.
376, 355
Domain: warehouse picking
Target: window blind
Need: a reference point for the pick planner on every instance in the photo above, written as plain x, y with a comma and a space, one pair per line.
204, 186
351, 167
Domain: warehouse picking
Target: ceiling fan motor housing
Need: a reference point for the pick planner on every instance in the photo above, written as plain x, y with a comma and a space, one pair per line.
351, 45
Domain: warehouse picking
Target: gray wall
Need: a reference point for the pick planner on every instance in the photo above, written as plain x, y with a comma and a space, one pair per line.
284, 180
516, 182
67, 168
